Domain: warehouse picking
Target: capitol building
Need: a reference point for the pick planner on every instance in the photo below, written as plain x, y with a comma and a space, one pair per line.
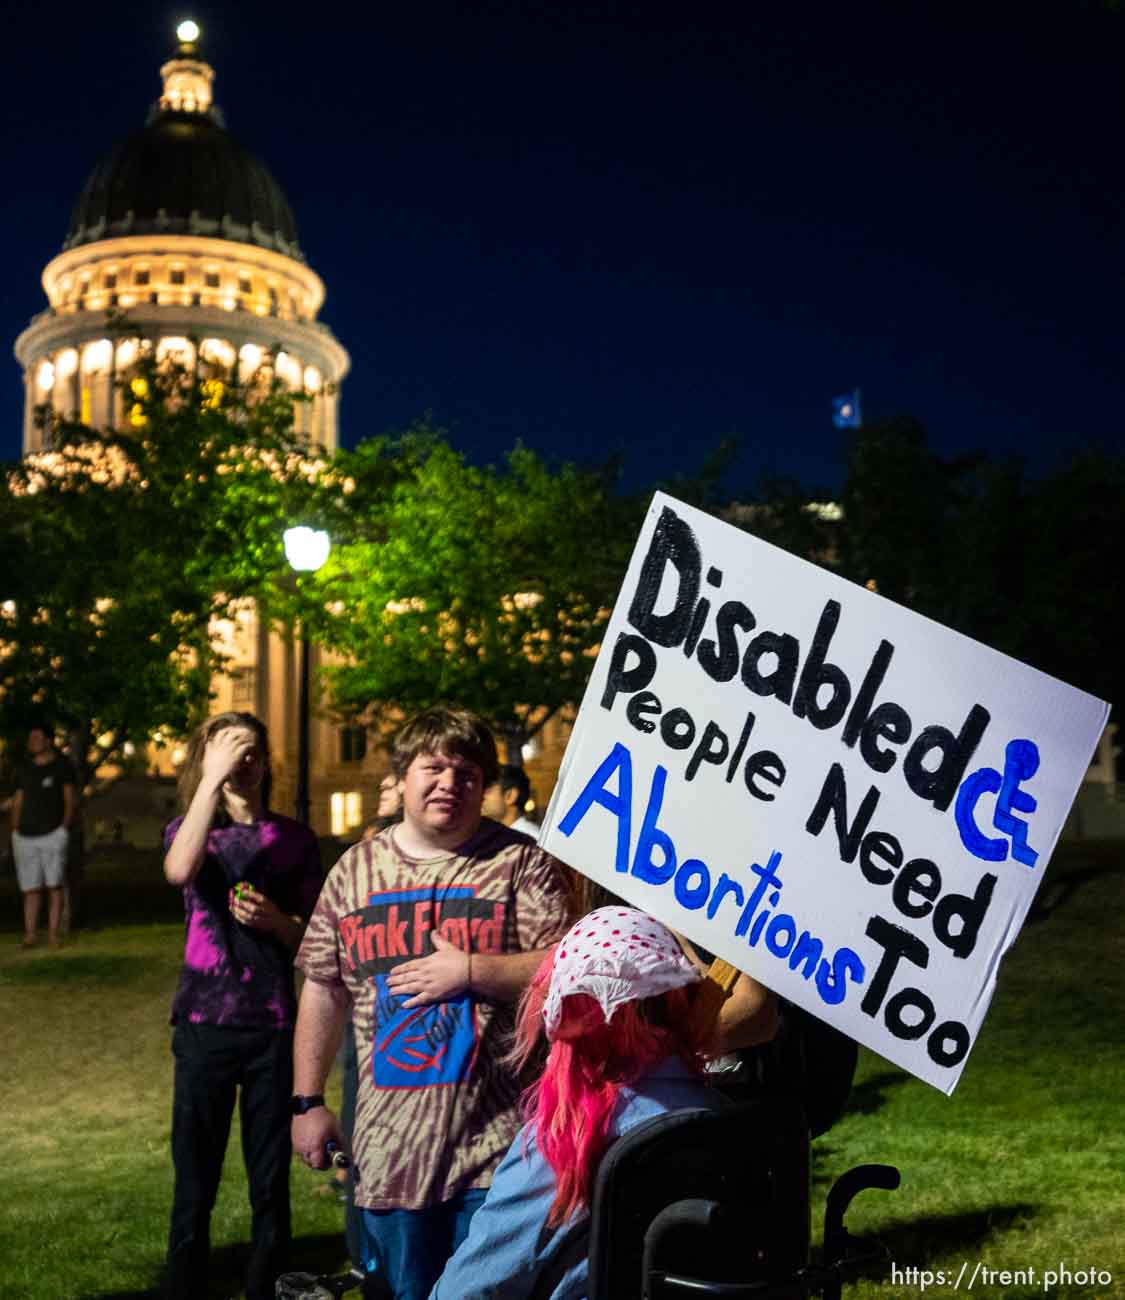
186, 234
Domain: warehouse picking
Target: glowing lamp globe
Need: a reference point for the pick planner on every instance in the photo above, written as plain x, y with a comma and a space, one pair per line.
188, 32
306, 549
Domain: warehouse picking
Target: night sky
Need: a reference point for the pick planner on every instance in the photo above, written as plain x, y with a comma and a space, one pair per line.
639, 227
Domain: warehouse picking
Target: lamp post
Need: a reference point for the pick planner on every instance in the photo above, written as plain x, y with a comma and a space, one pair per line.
306, 549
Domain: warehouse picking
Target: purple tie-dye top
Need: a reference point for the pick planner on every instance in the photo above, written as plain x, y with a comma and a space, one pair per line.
233, 975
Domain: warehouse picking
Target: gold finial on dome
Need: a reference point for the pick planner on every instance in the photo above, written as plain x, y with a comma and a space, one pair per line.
187, 79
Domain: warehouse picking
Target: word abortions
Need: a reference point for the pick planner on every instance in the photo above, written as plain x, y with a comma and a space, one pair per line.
908, 1014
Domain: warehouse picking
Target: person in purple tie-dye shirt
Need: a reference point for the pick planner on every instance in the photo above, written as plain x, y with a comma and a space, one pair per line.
250, 880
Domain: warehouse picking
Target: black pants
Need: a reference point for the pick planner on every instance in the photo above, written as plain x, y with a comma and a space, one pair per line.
211, 1065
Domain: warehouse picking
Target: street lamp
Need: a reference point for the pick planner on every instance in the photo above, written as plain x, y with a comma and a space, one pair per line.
306, 549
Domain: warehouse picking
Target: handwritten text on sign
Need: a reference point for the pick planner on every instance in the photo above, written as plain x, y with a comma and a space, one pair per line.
846, 800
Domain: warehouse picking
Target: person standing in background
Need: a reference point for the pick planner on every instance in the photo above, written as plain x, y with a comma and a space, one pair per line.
250, 880
507, 798
43, 808
388, 807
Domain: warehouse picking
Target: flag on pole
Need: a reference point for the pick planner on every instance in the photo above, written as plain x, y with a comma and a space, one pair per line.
845, 411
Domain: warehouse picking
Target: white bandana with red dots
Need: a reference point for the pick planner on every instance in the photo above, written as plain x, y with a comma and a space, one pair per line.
616, 955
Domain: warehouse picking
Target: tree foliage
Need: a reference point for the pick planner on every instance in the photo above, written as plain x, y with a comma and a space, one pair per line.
120, 548
486, 586
1016, 562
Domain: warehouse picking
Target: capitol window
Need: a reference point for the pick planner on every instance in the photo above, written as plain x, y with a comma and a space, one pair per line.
211, 279
140, 275
347, 811
250, 358
176, 275
218, 352
353, 744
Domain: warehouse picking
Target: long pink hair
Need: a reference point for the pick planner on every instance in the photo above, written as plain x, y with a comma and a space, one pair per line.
571, 1105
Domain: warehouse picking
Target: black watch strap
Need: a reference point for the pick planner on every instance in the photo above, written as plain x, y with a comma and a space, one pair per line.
302, 1105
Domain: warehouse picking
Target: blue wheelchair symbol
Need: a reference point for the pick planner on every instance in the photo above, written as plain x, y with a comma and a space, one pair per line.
1021, 762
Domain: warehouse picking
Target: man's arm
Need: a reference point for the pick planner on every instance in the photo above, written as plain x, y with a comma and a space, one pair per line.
187, 851
502, 977
449, 971
68, 804
320, 1023
748, 1017
16, 808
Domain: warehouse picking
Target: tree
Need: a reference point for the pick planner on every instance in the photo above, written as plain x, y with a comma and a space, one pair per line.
1014, 562
1069, 539
121, 548
486, 586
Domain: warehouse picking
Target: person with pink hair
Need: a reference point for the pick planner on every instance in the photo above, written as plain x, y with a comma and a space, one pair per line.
615, 1002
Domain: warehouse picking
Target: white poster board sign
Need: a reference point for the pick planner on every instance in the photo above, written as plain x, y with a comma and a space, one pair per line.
840, 797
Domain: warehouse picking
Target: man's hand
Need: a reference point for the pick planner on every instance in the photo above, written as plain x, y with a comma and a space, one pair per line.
437, 978
311, 1134
224, 752
251, 907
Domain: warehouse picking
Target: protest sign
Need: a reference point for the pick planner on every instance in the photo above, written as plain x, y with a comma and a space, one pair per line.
838, 796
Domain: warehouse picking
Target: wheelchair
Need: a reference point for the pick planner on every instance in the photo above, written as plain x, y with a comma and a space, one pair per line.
715, 1204
702, 1205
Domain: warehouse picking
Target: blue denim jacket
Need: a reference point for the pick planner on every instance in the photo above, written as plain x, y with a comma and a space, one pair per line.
510, 1251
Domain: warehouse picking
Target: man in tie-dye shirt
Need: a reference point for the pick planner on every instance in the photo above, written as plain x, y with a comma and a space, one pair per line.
429, 932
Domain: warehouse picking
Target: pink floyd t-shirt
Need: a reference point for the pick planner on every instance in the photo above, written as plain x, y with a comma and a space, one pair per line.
234, 975
436, 1109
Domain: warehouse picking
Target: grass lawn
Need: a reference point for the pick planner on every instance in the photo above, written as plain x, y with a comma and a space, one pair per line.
1022, 1169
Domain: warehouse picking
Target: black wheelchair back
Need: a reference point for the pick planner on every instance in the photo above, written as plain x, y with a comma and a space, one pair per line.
715, 1203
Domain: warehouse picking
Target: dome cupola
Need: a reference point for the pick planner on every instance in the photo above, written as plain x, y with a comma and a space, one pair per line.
183, 173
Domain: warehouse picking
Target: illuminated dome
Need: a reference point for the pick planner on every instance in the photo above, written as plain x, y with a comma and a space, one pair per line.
182, 243
183, 173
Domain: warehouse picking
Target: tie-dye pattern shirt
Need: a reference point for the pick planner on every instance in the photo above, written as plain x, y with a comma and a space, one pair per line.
436, 1107
233, 975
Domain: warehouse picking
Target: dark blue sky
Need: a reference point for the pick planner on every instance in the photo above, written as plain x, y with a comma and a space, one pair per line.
642, 226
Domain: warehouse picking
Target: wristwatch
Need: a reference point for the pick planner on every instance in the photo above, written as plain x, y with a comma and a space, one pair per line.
302, 1105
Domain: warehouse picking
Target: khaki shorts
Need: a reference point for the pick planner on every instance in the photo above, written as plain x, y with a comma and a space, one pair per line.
40, 859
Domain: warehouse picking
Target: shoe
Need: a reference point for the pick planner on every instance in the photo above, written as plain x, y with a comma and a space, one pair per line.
28, 941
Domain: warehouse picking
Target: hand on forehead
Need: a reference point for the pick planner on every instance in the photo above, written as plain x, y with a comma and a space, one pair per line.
239, 735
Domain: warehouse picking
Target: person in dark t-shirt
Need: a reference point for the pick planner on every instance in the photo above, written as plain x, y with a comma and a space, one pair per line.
43, 807
250, 880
